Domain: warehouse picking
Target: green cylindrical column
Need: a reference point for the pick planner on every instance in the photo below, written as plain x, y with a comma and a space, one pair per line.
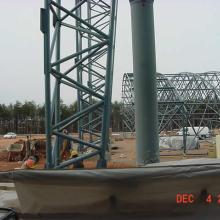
144, 62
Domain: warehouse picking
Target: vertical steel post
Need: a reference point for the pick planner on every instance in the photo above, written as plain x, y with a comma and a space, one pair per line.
144, 62
89, 14
79, 73
57, 91
185, 130
46, 21
184, 139
108, 90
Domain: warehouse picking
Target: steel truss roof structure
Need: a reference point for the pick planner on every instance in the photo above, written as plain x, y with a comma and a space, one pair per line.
184, 99
79, 55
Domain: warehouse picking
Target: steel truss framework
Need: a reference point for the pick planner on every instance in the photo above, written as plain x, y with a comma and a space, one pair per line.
87, 69
184, 99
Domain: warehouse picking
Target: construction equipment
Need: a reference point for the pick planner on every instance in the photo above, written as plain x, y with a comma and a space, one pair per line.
16, 152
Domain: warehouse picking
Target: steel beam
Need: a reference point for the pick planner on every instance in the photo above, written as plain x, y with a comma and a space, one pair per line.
108, 86
57, 92
45, 22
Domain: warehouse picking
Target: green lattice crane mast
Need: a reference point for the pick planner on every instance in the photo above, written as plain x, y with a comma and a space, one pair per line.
85, 65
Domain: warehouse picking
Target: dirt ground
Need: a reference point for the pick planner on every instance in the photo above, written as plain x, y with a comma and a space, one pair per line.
122, 154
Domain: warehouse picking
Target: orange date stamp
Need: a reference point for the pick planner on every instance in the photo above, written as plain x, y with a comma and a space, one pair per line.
189, 198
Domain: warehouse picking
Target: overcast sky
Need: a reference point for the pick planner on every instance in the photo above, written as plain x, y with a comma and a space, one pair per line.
187, 39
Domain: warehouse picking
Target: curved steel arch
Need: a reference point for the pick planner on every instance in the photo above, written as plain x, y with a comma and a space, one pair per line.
170, 104
213, 77
184, 99
201, 97
171, 112
128, 102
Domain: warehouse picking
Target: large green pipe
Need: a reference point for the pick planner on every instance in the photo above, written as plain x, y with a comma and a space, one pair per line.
144, 62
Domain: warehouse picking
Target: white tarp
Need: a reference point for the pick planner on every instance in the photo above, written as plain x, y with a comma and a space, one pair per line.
176, 142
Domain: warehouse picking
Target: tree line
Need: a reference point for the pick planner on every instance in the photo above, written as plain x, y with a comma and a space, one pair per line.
28, 117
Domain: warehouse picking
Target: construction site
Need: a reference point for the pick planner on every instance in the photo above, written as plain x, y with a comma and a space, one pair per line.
161, 161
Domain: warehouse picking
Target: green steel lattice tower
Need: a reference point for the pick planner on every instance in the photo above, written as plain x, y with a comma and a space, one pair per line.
87, 69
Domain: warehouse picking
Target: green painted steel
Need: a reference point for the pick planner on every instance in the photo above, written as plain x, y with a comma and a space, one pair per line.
108, 87
46, 21
144, 62
79, 72
57, 91
88, 71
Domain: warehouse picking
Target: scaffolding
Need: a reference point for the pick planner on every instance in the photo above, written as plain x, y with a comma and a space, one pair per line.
171, 111
184, 99
200, 92
127, 107
84, 64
